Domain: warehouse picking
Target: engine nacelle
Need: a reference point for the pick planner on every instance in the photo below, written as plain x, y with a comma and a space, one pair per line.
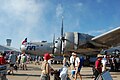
23, 48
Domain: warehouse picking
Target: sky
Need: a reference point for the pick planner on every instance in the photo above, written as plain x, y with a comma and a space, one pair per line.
40, 19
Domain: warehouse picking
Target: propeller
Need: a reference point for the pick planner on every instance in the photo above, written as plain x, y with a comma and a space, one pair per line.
62, 40
53, 50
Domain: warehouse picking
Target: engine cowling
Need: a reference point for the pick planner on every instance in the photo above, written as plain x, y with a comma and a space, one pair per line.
23, 48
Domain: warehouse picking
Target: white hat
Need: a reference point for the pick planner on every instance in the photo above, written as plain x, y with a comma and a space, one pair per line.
99, 55
74, 54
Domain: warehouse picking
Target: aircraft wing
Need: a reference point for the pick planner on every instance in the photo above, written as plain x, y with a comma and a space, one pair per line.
8, 48
110, 38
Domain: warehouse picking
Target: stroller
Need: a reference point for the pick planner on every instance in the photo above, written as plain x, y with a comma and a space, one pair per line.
64, 73
61, 74
56, 75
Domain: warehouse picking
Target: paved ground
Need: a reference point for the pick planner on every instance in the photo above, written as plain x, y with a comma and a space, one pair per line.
33, 73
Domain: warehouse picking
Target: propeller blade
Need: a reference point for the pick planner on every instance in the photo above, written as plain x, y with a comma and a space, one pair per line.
62, 29
61, 43
53, 44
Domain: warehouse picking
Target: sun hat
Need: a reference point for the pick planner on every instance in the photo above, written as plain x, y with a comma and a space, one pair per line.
47, 56
73, 53
99, 56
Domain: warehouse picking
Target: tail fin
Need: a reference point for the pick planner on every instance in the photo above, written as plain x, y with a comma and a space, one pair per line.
24, 41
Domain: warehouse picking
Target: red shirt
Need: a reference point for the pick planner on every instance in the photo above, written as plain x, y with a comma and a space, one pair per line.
98, 65
2, 61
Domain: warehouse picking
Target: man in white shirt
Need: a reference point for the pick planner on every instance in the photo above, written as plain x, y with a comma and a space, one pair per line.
72, 58
77, 66
72, 66
104, 61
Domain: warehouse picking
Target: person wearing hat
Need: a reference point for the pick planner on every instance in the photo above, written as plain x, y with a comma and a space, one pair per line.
50, 60
72, 58
72, 65
77, 66
98, 66
45, 67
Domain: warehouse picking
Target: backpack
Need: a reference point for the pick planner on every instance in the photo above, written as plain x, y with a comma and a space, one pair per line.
81, 62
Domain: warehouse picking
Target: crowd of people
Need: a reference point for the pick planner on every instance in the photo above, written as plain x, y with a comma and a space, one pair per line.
74, 62
14, 61
106, 62
102, 64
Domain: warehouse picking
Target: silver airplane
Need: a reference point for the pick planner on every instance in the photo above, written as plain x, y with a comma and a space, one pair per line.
67, 41
73, 41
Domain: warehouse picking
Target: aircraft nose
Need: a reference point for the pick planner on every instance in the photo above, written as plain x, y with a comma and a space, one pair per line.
22, 48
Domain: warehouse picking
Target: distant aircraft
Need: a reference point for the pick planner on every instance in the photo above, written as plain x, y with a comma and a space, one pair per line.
73, 41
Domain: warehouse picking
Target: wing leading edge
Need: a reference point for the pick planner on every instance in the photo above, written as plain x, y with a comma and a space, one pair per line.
110, 38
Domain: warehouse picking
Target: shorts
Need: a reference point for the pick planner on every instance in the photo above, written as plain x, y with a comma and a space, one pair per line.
79, 69
73, 72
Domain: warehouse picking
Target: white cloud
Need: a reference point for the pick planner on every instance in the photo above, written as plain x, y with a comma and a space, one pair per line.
59, 10
79, 7
79, 4
20, 7
27, 11
22, 16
